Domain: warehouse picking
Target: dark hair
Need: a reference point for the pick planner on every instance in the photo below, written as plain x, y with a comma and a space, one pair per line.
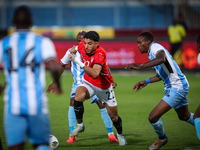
147, 36
22, 16
92, 35
198, 39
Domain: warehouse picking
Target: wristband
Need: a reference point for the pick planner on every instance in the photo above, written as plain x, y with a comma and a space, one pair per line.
147, 81
76, 48
77, 61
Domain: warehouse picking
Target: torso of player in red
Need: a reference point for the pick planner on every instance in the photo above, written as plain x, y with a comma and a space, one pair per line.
104, 80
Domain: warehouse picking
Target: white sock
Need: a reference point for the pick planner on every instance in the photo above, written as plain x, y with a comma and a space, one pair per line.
80, 124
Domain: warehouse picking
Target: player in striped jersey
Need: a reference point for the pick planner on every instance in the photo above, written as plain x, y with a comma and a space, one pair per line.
78, 73
176, 85
24, 55
1, 91
197, 112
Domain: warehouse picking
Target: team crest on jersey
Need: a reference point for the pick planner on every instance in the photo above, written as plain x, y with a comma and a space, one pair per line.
92, 59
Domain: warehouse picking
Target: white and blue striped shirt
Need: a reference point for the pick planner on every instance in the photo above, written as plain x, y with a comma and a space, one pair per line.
76, 70
23, 54
168, 71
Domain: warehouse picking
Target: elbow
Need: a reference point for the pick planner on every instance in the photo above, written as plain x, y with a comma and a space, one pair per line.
162, 60
95, 76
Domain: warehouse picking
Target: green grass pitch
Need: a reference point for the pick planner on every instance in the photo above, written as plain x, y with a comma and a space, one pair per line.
133, 107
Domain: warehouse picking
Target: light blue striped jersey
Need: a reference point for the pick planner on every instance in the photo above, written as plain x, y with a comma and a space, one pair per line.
76, 70
23, 54
169, 71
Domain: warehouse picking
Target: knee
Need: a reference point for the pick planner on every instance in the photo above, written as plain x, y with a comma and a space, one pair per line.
80, 97
114, 118
184, 117
100, 104
72, 102
153, 118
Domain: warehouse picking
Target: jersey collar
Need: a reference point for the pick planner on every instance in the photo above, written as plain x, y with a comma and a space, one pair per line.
150, 48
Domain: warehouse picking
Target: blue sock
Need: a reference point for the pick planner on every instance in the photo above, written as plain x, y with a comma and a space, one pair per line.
106, 119
42, 147
159, 129
191, 120
197, 126
71, 118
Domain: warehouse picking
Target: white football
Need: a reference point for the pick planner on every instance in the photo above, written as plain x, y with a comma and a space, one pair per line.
53, 142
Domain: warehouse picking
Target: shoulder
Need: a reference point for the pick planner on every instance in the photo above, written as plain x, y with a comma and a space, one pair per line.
100, 51
156, 47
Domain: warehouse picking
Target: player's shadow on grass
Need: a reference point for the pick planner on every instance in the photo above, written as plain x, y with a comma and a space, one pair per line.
92, 141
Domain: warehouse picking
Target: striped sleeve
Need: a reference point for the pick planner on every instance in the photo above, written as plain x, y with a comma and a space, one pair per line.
48, 49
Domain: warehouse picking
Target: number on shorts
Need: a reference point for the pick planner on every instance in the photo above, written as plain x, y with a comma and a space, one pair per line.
110, 95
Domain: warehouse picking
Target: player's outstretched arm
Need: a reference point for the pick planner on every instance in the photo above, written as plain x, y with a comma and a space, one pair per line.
160, 58
55, 72
1, 89
138, 86
52, 86
133, 66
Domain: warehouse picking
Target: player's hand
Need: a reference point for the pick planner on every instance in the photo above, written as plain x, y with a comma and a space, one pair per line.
138, 86
114, 84
72, 50
54, 89
71, 56
132, 66
51, 88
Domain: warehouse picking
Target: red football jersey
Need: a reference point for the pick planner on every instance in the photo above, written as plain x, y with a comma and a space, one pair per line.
104, 80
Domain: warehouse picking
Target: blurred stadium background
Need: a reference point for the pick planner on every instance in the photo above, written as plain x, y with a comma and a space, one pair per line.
118, 22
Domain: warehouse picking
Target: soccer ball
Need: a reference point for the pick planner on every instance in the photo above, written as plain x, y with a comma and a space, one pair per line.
53, 142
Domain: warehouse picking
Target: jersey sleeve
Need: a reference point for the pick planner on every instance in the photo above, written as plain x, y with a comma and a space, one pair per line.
65, 60
156, 48
100, 58
48, 50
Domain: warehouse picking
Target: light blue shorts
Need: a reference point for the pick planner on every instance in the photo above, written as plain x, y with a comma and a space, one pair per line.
176, 98
20, 127
73, 92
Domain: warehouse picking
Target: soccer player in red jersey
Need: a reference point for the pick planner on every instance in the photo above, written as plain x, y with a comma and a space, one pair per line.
96, 81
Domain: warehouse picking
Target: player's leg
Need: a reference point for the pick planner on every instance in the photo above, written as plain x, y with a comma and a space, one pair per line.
71, 120
39, 131
184, 114
108, 97
117, 122
156, 122
72, 115
82, 93
105, 117
15, 141
197, 121
182, 107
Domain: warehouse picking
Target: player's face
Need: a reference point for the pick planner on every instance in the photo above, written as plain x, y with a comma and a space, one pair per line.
79, 38
90, 46
143, 45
